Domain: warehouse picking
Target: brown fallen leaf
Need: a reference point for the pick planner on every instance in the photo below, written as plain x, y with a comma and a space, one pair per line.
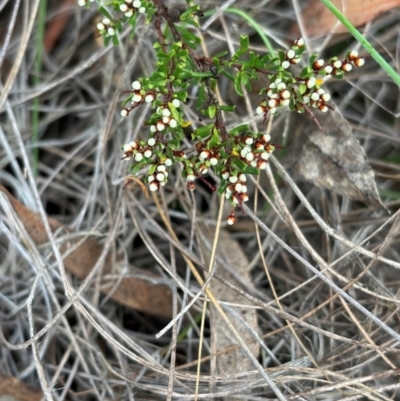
319, 21
12, 389
135, 293
234, 361
333, 159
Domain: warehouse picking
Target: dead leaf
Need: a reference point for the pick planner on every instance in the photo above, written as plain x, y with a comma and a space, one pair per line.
333, 159
12, 389
135, 293
319, 21
234, 361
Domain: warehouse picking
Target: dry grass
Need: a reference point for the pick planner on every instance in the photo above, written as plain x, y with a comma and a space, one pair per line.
333, 263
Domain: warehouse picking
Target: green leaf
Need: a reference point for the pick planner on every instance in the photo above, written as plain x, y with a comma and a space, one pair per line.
251, 170
228, 75
238, 129
212, 110
103, 11
203, 132
302, 89
238, 81
201, 97
152, 169
244, 42
222, 188
230, 109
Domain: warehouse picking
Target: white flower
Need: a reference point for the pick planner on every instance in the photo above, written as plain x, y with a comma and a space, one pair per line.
245, 151
160, 126
149, 98
315, 96
250, 156
249, 140
153, 128
265, 155
124, 112
259, 110
142, 10
153, 186
328, 69
111, 31
204, 155
242, 177
137, 3
238, 187
148, 153
124, 8
266, 137
233, 179
160, 177
150, 178
161, 168
101, 27
337, 64
168, 162
173, 123
190, 177
285, 64
106, 21
291, 54
166, 112
136, 85
151, 141
213, 161
176, 103
136, 98
138, 157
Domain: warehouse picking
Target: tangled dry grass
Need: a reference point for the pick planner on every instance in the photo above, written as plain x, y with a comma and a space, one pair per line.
308, 279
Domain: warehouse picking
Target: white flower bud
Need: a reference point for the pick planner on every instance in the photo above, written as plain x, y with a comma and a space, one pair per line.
106, 21
242, 177
259, 110
315, 96
238, 187
266, 137
153, 128
149, 98
250, 156
204, 155
166, 112
111, 31
213, 161
265, 155
337, 64
244, 151
124, 112
136, 85
101, 27
176, 103
124, 8
148, 153
233, 179
160, 126
153, 186
190, 177
328, 69
326, 97
137, 3
285, 64
151, 141
291, 54
138, 157
173, 123
136, 98
150, 178
142, 10
160, 177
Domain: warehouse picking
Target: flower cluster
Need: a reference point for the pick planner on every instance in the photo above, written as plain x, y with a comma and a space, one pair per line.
129, 7
299, 93
229, 154
106, 27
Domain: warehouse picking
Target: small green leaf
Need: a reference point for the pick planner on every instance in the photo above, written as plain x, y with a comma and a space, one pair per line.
302, 89
244, 42
203, 132
212, 110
